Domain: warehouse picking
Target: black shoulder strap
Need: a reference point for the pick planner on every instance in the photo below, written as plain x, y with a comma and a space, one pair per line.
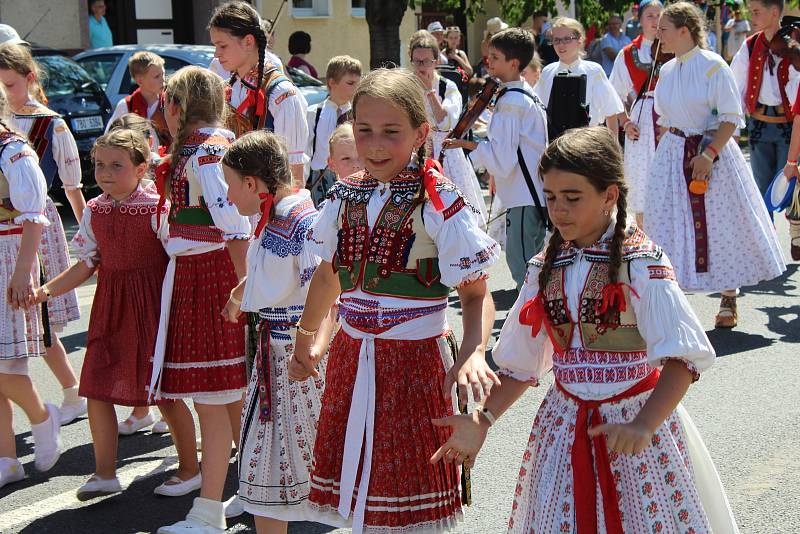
533, 97
316, 123
442, 88
529, 182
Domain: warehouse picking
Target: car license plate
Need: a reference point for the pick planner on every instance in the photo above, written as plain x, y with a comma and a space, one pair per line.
87, 124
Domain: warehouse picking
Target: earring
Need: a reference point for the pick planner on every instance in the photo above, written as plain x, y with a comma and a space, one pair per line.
606, 213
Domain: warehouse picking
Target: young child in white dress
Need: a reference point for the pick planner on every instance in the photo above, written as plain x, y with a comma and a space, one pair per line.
611, 450
279, 420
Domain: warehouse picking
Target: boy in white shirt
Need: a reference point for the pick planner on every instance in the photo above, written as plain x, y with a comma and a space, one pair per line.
342, 76
517, 136
147, 70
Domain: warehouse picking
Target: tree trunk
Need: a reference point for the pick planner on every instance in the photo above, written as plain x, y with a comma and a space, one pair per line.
384, 18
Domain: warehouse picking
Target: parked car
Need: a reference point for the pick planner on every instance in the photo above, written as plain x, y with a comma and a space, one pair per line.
109, 66
80, 101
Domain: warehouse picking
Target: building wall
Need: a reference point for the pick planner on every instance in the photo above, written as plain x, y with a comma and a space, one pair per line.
337, 34
65, 25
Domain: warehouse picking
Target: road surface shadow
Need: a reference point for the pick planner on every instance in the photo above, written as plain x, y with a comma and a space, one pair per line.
784, 321
728, 342
74, 342
781, 286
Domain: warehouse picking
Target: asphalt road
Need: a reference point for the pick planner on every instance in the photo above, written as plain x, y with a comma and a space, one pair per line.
747, 406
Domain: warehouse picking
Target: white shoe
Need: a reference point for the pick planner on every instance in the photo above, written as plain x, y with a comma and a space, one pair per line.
98, 487
179, 487
11, 470
234, 507
161, 427
47, 440
205, 517
72, 410
136, 424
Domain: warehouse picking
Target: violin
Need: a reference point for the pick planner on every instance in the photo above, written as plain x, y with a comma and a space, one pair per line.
786, 41
471, 114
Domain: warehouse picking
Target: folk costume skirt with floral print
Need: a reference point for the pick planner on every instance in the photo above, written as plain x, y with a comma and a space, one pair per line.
276, 453
204, 353
656, 492
406, 493
54, 253
20, 330
639, 154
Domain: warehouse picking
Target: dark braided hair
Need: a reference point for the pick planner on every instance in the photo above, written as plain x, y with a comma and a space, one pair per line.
240, 20
594, 154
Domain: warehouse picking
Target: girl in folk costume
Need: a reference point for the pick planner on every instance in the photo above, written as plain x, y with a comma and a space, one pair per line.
260, 96
279, 421
443, 108
198, 355
22, 204
702, 203
118, 240
147, 70
58, 156
394, 239
568, 39
632, 71
611, 449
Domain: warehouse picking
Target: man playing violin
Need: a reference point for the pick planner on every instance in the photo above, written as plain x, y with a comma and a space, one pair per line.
765, 80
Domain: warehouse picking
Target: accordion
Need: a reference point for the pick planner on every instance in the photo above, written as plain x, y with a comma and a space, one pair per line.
567, 106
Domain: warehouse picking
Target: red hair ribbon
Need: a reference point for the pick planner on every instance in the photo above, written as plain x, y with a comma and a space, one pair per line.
266, 206
533, 314
162, 151
613, 296
161, 175
429, 181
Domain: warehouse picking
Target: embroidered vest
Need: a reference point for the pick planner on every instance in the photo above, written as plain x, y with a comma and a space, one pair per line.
397, 258
758, 48
620, 333
137, 104
7, 210
638, 70
240, 120
40, 137
189, 216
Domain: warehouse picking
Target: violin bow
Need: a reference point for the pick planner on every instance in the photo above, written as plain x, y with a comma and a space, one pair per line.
650, 77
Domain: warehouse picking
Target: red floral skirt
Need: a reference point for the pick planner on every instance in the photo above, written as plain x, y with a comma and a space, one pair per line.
405, 490
204, 353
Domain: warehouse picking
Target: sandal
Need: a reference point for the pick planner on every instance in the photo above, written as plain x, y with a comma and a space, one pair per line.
727, 316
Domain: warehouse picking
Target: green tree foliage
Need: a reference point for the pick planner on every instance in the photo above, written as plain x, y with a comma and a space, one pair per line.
516, 12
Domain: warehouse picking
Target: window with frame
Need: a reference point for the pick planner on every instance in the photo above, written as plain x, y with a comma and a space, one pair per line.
358, 8
311, 8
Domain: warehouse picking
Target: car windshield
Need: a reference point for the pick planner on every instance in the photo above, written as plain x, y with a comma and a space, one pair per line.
65, 77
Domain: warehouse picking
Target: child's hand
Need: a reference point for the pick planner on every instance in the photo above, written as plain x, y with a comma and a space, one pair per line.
20, 292
632, 130
630, 438
464, 444
232, 310
474, 371
39, 296
303, 363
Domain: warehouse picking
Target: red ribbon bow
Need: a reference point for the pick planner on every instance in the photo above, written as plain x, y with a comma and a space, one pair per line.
254, 98
162, 151
161, 175
613, 296
429, 181
533, 314
266, 206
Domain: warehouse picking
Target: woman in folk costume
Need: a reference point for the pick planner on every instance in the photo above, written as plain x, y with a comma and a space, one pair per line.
443, 107
611, 450
58, 156
198, 354
632, 71
394, 239
568, 39
702, 203
279, 421
22, 204
259, 95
